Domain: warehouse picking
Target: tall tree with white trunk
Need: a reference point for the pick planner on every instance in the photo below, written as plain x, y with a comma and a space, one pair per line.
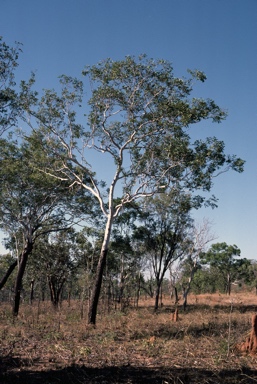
136, 128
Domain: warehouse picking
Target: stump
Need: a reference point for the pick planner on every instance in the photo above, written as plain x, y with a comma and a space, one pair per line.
250, 345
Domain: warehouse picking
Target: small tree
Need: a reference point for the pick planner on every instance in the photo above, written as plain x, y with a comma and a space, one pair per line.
252, 275
200, 237
31, 205
165, 234
222, 257
55, 257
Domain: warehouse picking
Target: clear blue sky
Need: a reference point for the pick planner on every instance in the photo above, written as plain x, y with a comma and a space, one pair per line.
216, 36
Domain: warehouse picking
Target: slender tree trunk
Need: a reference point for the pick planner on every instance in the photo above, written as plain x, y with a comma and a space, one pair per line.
8, 273
188, 287
69, 296
138, 289
55, 291
31, 291
157, 296
92, 310
42, 293
228, 284
59, 292
52, 290
18, 283
185, 294
121, 285
176, 295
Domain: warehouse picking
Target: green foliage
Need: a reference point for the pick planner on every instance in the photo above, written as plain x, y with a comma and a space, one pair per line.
138, 115
221, 257
5, 262
54, 262
8, 97
165, 234
207, 281
30, 201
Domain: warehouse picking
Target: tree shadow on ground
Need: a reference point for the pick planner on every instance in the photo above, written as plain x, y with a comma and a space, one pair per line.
215, 308
241, 308
123, 374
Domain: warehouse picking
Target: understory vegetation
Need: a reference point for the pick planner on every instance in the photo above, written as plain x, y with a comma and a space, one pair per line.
45, 345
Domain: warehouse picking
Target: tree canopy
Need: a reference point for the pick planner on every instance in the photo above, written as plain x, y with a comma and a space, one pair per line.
222, 257
135, 120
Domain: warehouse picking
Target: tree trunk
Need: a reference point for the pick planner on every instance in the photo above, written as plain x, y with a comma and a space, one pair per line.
187, 288
185, 293
55, 290
121, 286
18, 283
8, 273
52, 290
31, 291
59, 291
157, 296
176, 295
138, 290
228, 285
69, 297
92, 311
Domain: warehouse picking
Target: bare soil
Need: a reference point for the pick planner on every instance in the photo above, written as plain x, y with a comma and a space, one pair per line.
50, 346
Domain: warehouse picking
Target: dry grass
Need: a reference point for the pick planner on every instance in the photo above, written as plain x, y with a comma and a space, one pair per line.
48, 346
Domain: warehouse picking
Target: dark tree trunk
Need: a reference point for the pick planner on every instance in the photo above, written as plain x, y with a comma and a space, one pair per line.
55, 290
18, 283
92, 311
121, 291
138, 289
157, 296
185, 294
59, 291
69, 297
52, 289
8, 273
176, 295
43, 294
31, 291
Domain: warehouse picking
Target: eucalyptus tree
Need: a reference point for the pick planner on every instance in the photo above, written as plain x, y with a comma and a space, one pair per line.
166, 233
251, 274
31, 205
200, 236
136, 128
55, 256
222, 257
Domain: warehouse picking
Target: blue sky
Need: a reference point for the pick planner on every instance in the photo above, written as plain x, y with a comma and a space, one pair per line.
216, 36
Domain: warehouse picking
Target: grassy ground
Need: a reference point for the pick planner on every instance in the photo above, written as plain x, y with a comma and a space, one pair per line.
48, 346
